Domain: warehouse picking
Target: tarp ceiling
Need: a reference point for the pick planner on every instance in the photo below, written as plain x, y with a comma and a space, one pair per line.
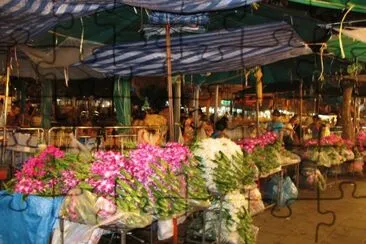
26, 68
22, 20
122, 25
225, 50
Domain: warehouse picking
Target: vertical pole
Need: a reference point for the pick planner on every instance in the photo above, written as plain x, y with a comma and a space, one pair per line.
7, 91
301, 108
177, 105
216, 103
175, 230
170, 83
257, 116
347, 123
6, 104
356, 115
196, 104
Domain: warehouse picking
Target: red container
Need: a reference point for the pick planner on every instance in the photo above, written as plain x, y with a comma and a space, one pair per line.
3, 173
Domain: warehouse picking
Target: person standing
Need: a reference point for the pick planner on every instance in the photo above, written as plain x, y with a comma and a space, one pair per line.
316, 127
276, 124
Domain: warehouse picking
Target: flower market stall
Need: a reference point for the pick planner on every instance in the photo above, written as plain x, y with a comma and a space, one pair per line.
145, 185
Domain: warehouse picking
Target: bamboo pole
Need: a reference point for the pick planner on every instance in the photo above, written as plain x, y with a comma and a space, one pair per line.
6, 104
196, 104
177, 105
301, 110
257, 116
6, 93
216, 103
347, 123
170, 83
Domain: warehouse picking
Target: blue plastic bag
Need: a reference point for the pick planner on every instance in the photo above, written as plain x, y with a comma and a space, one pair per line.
29, 220
288, 193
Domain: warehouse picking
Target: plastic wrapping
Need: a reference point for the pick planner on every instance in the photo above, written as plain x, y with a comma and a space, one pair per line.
166, 228
78, 233
87, 208
288, 193
256, 204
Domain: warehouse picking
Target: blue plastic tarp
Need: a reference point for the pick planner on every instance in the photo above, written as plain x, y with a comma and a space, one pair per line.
30, 220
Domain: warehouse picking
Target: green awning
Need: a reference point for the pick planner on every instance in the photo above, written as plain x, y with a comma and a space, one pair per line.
360, 5
353, 49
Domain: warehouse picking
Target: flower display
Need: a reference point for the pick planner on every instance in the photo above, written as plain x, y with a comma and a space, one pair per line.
236, 222
51, 172
333, 150
332, 140
361, 140
263, 150
249, 144
141, 179
224, 166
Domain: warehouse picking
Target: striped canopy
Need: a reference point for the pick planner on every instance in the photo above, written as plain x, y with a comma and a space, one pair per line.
189, 6
21, 20
219, 51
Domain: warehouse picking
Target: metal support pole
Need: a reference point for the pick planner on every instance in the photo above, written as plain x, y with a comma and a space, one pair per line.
170, 83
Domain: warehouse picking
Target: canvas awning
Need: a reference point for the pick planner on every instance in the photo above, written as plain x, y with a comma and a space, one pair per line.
225, 50
22, 20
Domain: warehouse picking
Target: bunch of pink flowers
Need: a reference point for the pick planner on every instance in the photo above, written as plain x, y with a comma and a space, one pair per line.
332, 140
249, 144
361, 139
34, 176
108, 165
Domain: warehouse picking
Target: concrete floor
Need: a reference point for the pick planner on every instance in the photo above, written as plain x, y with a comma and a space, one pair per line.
300, 224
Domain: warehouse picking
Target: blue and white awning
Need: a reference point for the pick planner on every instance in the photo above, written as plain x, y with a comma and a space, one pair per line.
189, 6
21, 20
220, 51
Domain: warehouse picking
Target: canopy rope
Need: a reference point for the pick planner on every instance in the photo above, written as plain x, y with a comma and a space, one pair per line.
81, 39
340, 31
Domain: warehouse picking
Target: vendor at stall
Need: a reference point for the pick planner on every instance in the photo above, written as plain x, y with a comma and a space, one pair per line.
14, 117
276, 124
220, 128
290, 135
316, 127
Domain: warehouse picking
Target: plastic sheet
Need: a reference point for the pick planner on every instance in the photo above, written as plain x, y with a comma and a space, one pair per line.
29, 220
256, 204
288, 193
84, 207
78, 233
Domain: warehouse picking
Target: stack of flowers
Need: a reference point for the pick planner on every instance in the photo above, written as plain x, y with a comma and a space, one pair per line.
145, 180
332, 140
226, 170
250, 144
263, 150
236, 224
50, 173
333, 150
